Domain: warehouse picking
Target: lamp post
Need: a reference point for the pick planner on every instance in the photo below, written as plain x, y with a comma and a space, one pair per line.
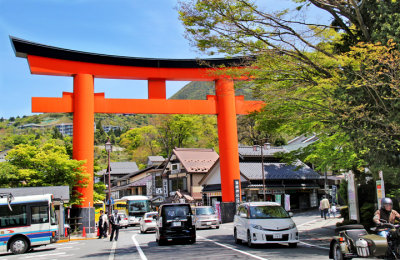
266, 146
108, 147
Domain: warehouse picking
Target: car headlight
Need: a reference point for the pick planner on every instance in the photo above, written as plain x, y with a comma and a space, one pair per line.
293, 225
256, 226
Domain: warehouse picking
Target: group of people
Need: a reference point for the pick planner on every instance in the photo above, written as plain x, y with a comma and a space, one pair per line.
326, 209
104, 224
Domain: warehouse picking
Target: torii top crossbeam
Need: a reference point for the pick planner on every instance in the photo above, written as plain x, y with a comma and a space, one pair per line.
83, 102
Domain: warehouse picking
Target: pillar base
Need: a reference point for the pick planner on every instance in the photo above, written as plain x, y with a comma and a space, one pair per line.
228, 211
83, 217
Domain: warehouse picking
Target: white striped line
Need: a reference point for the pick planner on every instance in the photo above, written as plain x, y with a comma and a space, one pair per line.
142, 255
234, 249
112, 252
311, 245
35, 256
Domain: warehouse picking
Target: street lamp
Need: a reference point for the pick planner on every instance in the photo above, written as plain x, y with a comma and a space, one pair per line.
108, 147
266, 146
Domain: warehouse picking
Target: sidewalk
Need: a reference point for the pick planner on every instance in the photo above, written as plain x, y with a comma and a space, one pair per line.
318, 232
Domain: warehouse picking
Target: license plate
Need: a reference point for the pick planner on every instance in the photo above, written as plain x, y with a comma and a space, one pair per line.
176, 224
277, 236
208, 223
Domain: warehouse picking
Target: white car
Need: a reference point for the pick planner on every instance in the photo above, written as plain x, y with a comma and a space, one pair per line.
264, 222
148, 222
124, 220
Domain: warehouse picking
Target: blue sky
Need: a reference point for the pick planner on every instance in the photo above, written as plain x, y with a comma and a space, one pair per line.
137, 28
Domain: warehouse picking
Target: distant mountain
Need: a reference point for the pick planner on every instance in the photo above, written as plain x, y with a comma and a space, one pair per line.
200, 89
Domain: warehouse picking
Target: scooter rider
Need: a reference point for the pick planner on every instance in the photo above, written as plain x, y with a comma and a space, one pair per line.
386, 213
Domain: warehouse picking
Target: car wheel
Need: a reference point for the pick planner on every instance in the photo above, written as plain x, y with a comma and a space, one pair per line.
217, 227
292, 245
237, 240
337, 252
249, 243
18, 246
160, 242
192, 241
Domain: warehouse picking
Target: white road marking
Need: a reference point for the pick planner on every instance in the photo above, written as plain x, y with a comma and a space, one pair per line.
311, 245
234, 249
35, 256
112, 252
142, 255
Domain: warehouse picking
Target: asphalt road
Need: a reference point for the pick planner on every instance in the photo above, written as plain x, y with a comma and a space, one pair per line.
211, 244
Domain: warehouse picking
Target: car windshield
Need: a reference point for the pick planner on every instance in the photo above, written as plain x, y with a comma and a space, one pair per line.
176, 212
261, 212
205, 211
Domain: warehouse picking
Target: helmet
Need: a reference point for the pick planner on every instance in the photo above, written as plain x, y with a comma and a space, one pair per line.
386, 201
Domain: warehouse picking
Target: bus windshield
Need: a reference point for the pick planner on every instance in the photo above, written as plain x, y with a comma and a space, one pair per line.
138, 207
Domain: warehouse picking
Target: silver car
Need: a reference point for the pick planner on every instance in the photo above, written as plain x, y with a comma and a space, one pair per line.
206, 217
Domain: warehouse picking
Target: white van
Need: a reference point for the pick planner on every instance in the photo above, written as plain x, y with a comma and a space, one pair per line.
264, 222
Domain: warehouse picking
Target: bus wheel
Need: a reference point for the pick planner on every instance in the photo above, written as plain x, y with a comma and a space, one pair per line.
18, 246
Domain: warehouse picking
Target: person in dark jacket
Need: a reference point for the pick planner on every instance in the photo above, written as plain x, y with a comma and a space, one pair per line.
115, 225
101, 224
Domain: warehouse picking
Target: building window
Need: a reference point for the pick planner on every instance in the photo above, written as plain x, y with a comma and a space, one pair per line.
178, 184
159, 181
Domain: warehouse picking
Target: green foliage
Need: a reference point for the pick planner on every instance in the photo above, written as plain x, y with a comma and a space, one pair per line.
47, 164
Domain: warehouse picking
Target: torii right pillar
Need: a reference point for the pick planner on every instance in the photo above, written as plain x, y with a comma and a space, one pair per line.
228, 146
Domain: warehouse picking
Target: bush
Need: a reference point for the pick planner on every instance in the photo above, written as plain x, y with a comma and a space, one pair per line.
344, 212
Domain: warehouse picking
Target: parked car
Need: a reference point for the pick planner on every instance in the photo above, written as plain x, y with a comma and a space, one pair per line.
148, 222
124, 220
205, 217
175, 222
264, 222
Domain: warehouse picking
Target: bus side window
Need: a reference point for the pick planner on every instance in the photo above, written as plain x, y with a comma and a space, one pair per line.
39, 214
17, 217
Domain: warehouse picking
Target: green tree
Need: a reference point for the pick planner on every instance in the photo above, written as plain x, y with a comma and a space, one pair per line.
44, 165
56, 134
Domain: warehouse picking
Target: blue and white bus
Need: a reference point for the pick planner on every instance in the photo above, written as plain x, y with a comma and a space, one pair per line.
26, 222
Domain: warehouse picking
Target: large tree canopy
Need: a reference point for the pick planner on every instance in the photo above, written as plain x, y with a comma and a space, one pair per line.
339, 79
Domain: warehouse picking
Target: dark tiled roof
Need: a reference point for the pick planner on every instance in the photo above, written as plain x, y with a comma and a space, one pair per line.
278, 171
196, 160
156, 158
249, 151
300, 142
121, 168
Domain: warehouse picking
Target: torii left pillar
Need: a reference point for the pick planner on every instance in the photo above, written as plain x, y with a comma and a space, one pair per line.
83, 140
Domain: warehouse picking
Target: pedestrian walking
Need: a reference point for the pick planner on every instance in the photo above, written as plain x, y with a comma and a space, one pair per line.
115, 225
324, 205
100, 225
333, 210
105, 225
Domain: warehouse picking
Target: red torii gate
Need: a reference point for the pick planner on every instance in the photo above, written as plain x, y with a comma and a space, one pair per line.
83, 102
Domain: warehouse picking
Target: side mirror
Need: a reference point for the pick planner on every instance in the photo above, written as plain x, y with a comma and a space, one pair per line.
243, 215
290, 214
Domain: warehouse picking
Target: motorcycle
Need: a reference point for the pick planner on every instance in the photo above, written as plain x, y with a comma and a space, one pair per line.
353, 241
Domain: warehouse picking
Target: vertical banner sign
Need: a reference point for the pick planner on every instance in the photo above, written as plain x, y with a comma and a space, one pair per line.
287, 202
379, 194
237, 192
334, 191
165, 187
218, 209
278, 199
352, 197
382, 184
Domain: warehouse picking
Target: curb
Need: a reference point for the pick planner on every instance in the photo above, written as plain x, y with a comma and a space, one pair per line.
75, 239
